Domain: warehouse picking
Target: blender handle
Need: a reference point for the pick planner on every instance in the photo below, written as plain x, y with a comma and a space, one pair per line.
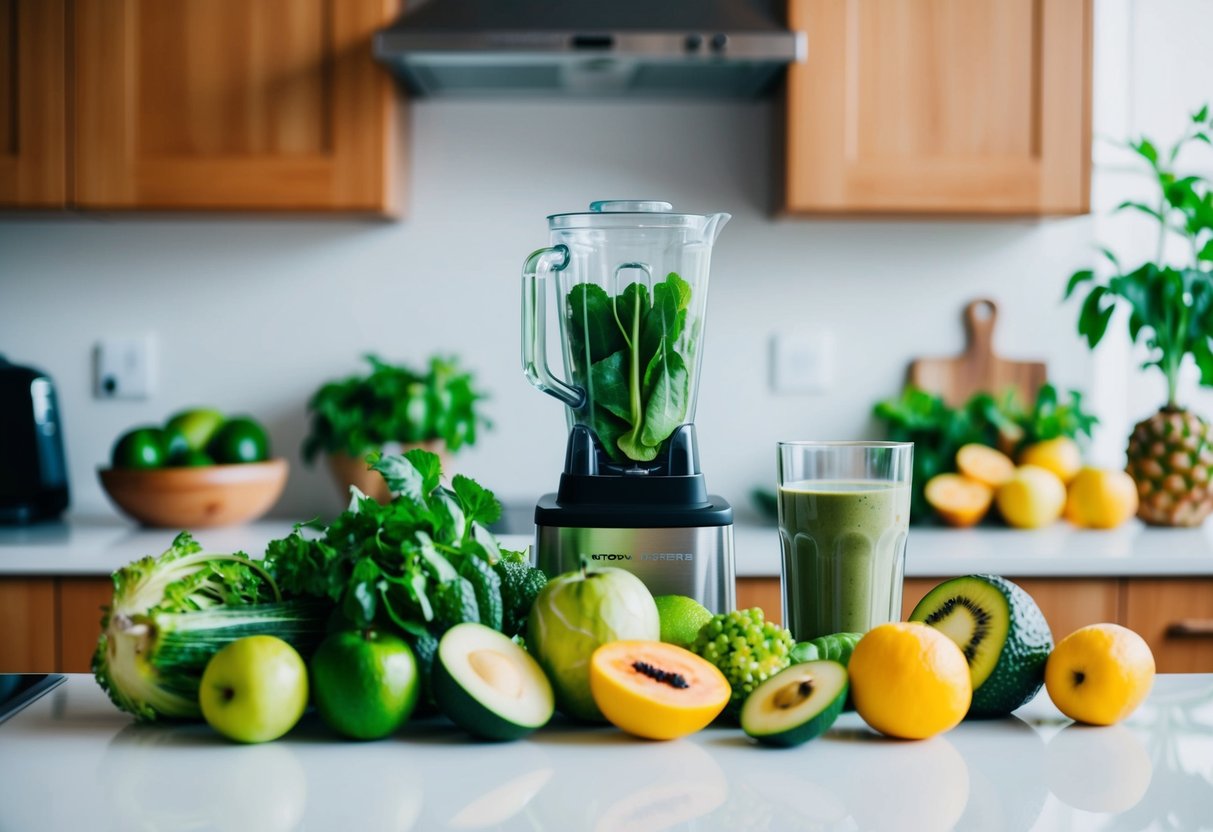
534, 328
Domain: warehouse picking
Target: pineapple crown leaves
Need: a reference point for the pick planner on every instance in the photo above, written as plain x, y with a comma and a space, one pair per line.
1170, 307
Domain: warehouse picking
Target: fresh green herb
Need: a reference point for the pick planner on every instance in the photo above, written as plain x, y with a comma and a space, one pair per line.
939, 431
171, 613
629, 352
1170, 307
394, 403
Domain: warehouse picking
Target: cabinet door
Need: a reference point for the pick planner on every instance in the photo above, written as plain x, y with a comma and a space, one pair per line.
27, 620
1175, 617
80, 602
761, 592
232, 104
940, 106
1067, 603
33, 104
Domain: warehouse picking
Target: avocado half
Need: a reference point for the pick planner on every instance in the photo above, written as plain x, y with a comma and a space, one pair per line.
797, 704
1002, 633
488, 685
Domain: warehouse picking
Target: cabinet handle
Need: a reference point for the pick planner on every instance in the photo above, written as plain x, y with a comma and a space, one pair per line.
1190, 628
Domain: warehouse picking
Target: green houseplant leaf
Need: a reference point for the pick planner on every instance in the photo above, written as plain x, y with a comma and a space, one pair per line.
394, 403
1169, 305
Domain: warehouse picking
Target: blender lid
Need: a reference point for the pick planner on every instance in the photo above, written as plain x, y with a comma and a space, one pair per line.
631, 213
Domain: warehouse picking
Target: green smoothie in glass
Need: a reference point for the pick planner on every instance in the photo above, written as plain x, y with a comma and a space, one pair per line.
844, 543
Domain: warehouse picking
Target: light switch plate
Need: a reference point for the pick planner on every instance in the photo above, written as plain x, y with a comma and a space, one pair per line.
125, 368
802, 361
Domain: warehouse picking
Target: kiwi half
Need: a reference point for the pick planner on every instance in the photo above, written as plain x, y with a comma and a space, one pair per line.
1002, 633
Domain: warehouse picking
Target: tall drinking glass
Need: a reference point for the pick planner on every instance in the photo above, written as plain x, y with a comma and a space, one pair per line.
844, 511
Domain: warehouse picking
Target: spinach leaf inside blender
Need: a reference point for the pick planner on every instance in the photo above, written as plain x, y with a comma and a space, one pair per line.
626, 354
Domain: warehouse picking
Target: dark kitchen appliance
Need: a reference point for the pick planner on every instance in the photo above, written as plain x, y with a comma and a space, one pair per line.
33, 469
631, 281
20, 689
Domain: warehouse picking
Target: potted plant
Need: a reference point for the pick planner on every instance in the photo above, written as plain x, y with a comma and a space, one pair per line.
1170, 454
393, 406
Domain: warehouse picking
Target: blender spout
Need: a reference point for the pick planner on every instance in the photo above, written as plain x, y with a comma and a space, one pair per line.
715, 223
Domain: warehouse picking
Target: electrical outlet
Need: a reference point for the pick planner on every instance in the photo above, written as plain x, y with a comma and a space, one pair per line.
802, 362
124, 368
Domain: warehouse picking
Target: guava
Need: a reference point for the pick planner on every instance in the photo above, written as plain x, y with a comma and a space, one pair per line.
573, 615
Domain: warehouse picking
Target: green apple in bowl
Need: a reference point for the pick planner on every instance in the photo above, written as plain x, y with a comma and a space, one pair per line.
194, 428
254, 689
573, 615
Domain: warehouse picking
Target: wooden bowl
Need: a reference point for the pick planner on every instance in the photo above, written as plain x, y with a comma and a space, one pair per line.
195, 498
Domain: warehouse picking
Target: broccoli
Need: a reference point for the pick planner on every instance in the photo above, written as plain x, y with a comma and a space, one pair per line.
746, 648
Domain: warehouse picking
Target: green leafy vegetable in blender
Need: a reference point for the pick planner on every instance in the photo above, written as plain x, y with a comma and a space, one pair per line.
171, 613
626, 352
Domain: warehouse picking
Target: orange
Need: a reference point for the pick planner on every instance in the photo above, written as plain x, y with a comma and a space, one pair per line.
909, 680
959, 500
1100, 673
1101, 498
984, 464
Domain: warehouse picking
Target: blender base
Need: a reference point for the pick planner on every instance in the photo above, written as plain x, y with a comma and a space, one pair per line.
696, 561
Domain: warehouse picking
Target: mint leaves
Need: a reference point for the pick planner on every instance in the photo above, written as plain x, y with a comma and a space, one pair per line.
626, 354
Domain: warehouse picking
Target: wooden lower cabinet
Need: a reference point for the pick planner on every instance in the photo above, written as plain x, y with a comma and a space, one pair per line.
1174, 615
80, 602
27, 622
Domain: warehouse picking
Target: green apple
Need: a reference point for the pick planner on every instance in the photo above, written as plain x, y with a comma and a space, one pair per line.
573, 615
194, 428
365, 683
254, 689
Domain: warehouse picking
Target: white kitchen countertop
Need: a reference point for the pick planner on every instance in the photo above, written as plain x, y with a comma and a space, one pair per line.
98, 546
72, 761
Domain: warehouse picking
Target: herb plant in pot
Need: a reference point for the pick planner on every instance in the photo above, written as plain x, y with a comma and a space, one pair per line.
392, 406
1170, 454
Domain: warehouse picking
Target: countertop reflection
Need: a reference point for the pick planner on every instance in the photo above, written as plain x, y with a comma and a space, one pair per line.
71, 760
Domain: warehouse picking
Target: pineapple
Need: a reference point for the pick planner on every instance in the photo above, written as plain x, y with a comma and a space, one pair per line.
1171, 460
1170, 457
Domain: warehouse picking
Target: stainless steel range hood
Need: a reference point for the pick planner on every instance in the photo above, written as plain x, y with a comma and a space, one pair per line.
590, 48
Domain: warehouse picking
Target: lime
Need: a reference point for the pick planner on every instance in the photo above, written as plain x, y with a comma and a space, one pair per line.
194, 427
239, 440
145, 447
190, 459
681, 617
364, 683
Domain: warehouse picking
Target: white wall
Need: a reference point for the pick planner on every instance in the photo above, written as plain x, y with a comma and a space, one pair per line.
252, 314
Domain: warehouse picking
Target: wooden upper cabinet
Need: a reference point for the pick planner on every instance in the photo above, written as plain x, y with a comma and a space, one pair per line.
33, 104
940, 106
233, 104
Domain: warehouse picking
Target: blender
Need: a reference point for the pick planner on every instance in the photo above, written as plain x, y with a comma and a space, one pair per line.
630, 280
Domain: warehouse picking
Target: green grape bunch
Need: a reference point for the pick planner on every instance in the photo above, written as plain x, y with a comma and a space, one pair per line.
746, 648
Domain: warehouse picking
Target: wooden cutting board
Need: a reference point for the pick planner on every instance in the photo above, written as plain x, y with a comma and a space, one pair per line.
978, 368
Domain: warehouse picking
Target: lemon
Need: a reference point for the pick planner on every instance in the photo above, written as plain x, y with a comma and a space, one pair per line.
1032, 498
680, 617
984, 464
1100, 673
909, 680
1061, 456
1101, 498
959, 500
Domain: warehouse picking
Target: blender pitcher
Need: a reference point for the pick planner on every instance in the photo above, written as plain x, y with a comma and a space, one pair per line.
630, 282
631, 286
